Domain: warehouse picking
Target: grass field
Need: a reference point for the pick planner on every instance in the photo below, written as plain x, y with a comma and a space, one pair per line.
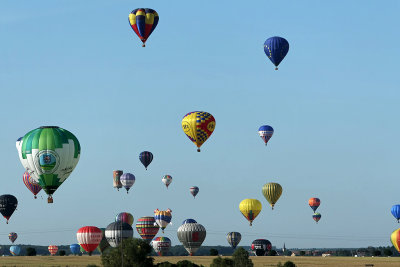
83, 261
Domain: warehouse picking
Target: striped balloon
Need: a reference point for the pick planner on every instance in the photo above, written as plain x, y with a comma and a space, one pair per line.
125, 217
272, 192
234, 239
266, 133
194, 190
89, 238
161, 245
146, 158
117, 179
316, 217
31, 184
127, 180
53, 249
395, 239
163, 218
12, 236
143, 21
147, 228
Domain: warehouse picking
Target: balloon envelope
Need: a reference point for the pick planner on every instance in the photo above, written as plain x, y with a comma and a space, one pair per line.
53, 249
125, 217
127, 180
189, 221
265, 133
167, 180
147, 228
30, 184
234, 239
161, 245
261, 247
198, 127
15, 250
75, 248
316, 217
8, 204
103, 245
117, 231
89, 238
191, 235
395, 239
194, 190
146, 158
272, 192
314, 203
162, 218
396, 212
143, 21
276, 48
117, 179
250, 208
12, 236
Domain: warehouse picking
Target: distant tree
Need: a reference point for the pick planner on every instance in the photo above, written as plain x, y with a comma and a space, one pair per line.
213, 252
222, 262
387, 252
135, 253
92, 265
186, 263
289, 264
62, 252
165, 264
241, 258
272, 253
30, 251
302, 253
377, 253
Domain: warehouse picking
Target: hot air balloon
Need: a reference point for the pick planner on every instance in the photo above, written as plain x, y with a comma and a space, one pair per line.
75, 249
276, 48
147, 228
8, 204
143, 22
167, 180
198, 126
103, 245
53, 250
191, 235
272, 192
127, 180
161, 245
125, 217
116, 231
146, 158
194, 190
12, 236
250, 208
265, 133
261, 247
15, 250
396, 212
49, 154
395, 239
314, 203
89, 237
33, 187
234, 239
189, 221
316, 217
117, 179
163, 218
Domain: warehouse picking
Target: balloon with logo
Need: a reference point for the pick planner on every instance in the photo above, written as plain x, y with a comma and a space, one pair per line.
75, 248
8, 204
261, 247
125, 217
103, 245
89, 237
49, 154
396, 212
146, 158
162, 218
147, 228
272, 192
143, 21
395, 239
30, 184
167, 180
191, 235
194, 190
265, 133
127, 180
234, 239
53, 250
198, 127
12, 236
314, 203
116, 232
316, 217
276, 48
117, 179
250, 208
161, 245
15, 250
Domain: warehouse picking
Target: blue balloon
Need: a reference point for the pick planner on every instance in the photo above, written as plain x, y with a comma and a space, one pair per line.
146, 158
189, 221
396, 212
276, 49
265, 133
15, 250
75, 249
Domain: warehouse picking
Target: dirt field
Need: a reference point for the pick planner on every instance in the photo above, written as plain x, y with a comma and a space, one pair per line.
83, 261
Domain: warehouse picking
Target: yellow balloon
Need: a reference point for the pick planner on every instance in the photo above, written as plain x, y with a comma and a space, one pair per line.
250, 208
395, 238
198, 126
272, 192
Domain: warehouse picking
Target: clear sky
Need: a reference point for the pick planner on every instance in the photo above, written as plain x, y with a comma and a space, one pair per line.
334, 105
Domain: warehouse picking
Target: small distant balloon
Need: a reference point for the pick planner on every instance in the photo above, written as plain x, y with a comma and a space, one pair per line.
147, 228
12, 236
8, 204
276, 48
146, 158
53, 250
117, 179
265, 133
234, 239
15, 250
194, 190
250, 208
162, 218
75, 249
30, 184
125, 217
127, 180
198, 127
167, 180
272, 192
396, 212
316, 217
314, 203
143, 21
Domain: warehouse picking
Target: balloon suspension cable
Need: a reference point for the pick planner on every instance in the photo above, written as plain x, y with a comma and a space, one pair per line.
50, 199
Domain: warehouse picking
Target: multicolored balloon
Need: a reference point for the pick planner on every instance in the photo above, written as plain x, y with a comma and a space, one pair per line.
316, 217
117, 179
103, 245
272, 192
396, 212
250, 208
53, 250
89, 238
49, 154
125, 217
276, 48
146, 158
261, 247
167, 180
127, 180
265, 133
117, 231
162, 218
234, 239
15, 250
143, 21
194, 190
12, 236
314, 203
8, 204
395, 239
33, 187
191, 235
75, 248
147, 228
161, 245
198, 126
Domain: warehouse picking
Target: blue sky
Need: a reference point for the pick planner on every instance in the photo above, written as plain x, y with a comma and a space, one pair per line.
333, 105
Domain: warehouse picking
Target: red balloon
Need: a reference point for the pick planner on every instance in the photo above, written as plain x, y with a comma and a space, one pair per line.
89, 238
53, 249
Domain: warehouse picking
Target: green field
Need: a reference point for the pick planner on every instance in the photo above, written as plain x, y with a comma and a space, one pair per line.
80, 261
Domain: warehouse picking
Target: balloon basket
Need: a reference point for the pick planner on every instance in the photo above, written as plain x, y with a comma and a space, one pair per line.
143, 45
49, 200
198, 150
276, 68
35, 197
